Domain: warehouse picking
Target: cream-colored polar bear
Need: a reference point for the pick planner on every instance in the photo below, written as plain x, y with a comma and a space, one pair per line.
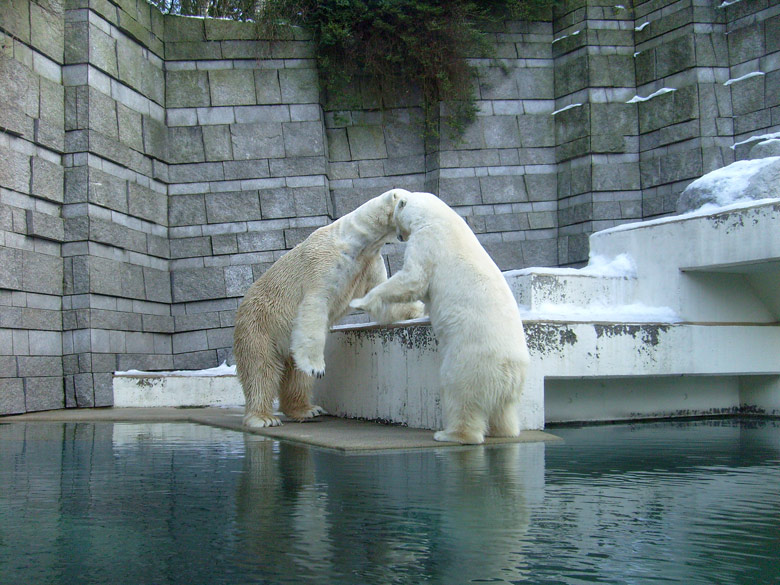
282, 323
473, 313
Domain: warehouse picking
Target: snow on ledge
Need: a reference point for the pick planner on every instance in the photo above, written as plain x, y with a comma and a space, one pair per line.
633, 313
758, 138
221, 370
622, 266
569, 107
661, 91
747, 76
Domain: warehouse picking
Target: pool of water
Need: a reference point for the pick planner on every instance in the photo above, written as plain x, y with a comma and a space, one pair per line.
671, 502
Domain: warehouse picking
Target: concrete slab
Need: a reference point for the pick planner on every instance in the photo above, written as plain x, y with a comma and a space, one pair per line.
345, 435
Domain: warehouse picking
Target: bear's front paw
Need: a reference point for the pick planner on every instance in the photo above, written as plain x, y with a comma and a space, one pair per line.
307, 413
259, 421
358, 303
462, 438
313, 368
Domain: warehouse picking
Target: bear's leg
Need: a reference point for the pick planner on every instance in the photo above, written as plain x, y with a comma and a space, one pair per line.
504, 421
295, 394
309, 332
463, 393
261, 386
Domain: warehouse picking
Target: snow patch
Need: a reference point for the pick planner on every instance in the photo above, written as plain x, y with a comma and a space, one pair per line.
221, 370
633, 313
621, 266
661, 91
641, 26
569, 107
762, 137
747, 76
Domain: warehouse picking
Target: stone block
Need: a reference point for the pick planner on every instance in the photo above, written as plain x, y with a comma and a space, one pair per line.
185, 144
187, 89
187, 210
11, 396
232, 206
190, 247
536, 130
83, 390
16, 19
503, 189
47, 29
366, 142
103, 51
277, 203
237, 280
675, 55
572, 124
39, 366
501, 132
15, 171
47, 179
102, 114
296, 166
460, 191
155, 138
534, 83
195, 360
299, 86
294, 236
216, 143
180, 28
188, 51
261, 241
571, 76
232, 87
198, 284
219, 29
103, 189
746, 43
495, 83
246, 169
261, 140
196, 172
157, 285
541, 187
41, 273
224, 244
130, 127
43, 393
147, 204
45, 226
747, 95
103, 389
303, 138
267, 87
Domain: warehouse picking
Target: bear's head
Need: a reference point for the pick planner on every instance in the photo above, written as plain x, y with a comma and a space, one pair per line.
414, 210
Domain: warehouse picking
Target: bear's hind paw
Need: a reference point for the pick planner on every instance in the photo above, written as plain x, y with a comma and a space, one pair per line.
259, 421
307, 414
454, 437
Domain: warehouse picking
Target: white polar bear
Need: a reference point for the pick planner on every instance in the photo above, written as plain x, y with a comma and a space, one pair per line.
473, 313
282, 323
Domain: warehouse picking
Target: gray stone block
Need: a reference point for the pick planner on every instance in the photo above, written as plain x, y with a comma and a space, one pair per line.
303, 139
157, 285
41, 273
457, 192
15, 171
187, 51
43, 393
185, 144
187, 89
501, 132
39, 366
299, 86
47, 179
267, 88
261, 140
217, 144
295, 166
232, 206
195, 360
198, 284
130, 127
746, 43
246, 169
237, 280
187, 210
366, 142
497, 84
190, 247
224, 244
47, 29
11, 396
503, 189
102, 51
103, 389
189, 342
147, 204
294, 236
155, 138
47, 227
747, 95
232, 87
261, 241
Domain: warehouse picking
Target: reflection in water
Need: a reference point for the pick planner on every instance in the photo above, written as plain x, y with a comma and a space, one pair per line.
179, 503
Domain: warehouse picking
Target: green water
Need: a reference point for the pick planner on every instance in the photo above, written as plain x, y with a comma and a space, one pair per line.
676, 502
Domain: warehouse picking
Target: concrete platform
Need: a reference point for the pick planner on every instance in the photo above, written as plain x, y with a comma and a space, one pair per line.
345, 435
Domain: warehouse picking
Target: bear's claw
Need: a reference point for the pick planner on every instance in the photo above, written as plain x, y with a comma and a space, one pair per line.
258, 421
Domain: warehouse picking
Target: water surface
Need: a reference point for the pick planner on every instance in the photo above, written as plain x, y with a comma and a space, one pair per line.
165, 503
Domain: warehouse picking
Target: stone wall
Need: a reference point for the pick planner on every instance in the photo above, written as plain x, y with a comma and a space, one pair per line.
153, 166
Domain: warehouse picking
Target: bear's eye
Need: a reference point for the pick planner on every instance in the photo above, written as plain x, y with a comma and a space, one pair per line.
402, 204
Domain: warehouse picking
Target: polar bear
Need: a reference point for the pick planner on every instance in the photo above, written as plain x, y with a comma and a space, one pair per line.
473, 313
282, 322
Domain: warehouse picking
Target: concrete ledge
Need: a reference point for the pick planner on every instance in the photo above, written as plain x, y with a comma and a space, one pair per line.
345, 435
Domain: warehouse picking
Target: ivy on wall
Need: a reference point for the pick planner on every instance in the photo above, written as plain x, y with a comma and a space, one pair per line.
404, 50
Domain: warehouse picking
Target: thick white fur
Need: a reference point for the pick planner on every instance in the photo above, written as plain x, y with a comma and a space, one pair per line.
282, 323
473, 313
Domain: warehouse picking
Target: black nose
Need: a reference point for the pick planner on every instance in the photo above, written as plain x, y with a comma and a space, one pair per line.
400, 237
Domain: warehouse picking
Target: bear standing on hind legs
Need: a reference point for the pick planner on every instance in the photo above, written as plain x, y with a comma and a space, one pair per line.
283, 321
473, 313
